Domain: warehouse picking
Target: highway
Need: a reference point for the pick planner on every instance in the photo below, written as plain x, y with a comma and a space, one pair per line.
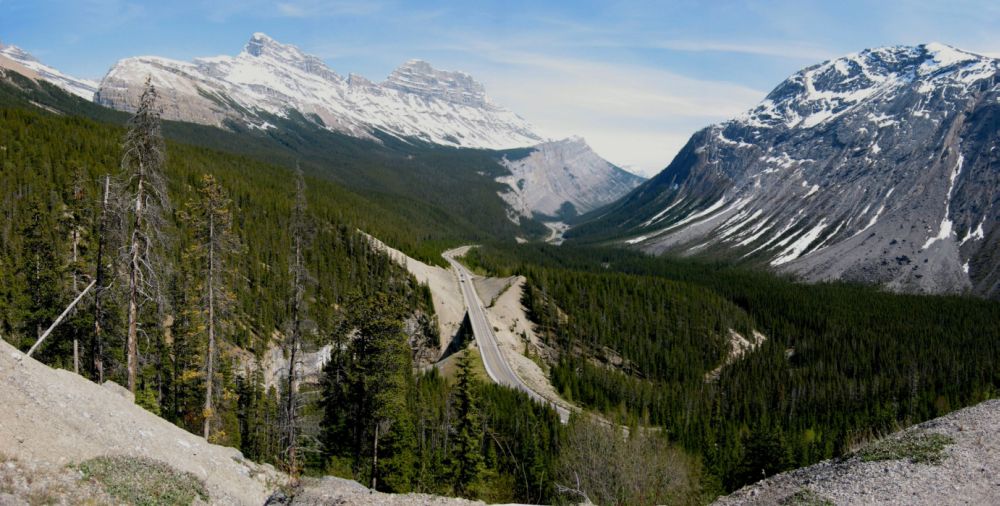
486, 340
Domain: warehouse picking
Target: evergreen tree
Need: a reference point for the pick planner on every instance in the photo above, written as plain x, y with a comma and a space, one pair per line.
209, 216
468, 451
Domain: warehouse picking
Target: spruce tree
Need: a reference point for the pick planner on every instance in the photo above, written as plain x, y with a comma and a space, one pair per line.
209, 216
468, 456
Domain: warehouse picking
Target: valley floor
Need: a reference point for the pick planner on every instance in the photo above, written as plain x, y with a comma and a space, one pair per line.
968, 471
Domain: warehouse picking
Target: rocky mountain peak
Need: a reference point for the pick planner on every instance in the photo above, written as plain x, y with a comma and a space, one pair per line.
418, 77
822, 92
17, 54
262, 46
876, 167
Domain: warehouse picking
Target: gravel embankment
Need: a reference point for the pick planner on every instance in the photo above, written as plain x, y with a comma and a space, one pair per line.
968, 471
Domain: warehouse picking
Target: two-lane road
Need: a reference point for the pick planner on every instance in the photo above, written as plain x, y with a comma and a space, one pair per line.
486, 340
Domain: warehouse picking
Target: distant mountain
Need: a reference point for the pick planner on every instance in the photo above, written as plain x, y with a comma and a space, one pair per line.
563, 178
879, 167
269, 78
35, 69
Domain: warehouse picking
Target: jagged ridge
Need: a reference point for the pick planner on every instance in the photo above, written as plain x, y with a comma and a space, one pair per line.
876, 167
267, 77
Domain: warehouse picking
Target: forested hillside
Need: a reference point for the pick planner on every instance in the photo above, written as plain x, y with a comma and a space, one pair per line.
420, 197
840, 364
237, 257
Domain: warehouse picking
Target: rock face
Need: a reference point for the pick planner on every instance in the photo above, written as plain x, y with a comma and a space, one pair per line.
53, 418
81, 87
417, 101
879, 167
563, 177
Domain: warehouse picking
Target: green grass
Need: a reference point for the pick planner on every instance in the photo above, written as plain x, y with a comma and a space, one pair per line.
144, 482
805, 497
918, 447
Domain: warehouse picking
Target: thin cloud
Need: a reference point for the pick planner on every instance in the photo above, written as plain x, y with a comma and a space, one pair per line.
317, 8
789, 50
633, 115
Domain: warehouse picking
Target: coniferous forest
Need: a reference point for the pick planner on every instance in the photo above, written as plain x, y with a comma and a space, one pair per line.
213, 259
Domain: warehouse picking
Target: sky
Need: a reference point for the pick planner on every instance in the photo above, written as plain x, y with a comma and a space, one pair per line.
634, 78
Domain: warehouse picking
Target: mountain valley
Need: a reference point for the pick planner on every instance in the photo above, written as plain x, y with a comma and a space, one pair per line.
318, 289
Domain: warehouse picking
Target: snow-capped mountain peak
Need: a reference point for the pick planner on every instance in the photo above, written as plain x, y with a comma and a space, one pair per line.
264, 47
823, 92
83, 88
419, 78
879, 166
269, 77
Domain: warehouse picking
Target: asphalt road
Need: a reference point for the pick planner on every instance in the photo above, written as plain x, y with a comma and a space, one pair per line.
486, 340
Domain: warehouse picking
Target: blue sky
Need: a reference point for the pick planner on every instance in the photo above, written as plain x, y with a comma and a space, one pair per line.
635, 78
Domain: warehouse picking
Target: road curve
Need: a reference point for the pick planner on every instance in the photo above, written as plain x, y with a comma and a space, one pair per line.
486, 340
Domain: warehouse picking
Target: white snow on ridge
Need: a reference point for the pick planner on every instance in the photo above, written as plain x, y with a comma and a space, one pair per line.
809, 104
945, 229
660, 214
416, 101
978, 234
704, 212
82, 88
797, 248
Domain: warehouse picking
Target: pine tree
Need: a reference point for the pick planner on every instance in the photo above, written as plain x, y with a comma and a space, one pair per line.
384, 372
468, 455
143, 162
209, 216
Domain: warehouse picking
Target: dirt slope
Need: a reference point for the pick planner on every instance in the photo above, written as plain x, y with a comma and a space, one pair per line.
968, 471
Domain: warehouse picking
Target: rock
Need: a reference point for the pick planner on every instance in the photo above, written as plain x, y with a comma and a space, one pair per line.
120, 390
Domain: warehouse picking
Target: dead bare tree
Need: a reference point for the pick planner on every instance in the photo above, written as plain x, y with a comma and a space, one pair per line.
96, 345
143, 160
301, 232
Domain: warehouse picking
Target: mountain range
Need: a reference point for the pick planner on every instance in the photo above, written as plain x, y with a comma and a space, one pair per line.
878, 167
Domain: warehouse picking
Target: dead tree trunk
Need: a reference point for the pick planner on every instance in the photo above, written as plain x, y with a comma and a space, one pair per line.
210, 361
291, 402
300, 277
96, 345
132, 347
375, 459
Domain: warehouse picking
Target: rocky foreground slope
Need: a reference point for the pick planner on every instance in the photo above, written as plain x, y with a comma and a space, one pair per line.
52, 420
954, 459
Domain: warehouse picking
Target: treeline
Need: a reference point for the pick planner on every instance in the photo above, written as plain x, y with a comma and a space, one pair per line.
841, 364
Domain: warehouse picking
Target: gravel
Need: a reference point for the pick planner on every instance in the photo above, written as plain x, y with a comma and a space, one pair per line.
967, 473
